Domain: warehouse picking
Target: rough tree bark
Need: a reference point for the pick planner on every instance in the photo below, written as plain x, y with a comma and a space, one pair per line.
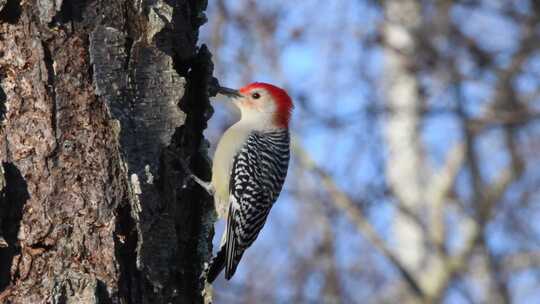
99, 102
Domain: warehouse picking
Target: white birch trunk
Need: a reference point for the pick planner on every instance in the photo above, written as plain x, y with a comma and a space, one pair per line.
404, 165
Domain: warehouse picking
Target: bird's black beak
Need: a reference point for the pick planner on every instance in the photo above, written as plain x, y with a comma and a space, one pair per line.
232, 93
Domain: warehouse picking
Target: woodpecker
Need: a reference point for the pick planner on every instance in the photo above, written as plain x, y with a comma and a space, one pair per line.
249, 168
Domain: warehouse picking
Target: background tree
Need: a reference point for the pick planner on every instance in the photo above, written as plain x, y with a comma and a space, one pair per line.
94, 207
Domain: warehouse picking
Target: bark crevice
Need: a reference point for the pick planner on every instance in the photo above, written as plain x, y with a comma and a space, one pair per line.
11, 11
3, 99
126, 241
50, 87
12, 201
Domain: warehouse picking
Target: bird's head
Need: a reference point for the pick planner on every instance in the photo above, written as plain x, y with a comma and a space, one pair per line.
262, 103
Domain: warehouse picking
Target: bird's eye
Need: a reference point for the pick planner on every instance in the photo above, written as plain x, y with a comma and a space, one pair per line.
256, 95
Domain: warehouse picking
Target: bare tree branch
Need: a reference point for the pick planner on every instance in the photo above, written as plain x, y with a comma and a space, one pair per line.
351, 210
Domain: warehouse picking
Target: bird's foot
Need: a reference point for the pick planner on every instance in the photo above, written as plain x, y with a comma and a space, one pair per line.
192, 177
205, 185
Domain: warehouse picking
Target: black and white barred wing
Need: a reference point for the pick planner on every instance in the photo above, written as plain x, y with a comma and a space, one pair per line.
257, 176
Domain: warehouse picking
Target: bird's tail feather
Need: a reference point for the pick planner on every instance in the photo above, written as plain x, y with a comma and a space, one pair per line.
216, 265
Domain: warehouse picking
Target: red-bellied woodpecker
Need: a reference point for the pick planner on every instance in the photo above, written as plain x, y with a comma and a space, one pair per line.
249, 168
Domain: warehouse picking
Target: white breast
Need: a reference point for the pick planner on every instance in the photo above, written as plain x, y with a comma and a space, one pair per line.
229, 144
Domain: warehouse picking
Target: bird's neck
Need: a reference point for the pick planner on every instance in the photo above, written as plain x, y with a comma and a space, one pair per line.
257, 121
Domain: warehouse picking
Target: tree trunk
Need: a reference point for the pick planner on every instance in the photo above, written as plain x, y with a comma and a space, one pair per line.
418, 188
405, 165
94, 204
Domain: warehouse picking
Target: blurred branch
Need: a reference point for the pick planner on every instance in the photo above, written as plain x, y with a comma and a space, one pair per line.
439, 190
342, 201
499, 287
521, 261
473, 233
477, 125
485, 198
332, 286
